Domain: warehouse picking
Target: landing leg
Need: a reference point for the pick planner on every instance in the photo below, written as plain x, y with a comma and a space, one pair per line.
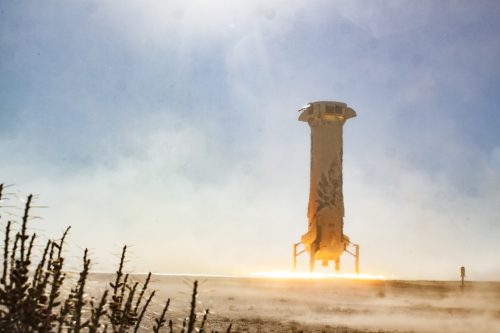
337, 265
357, 258
294, 256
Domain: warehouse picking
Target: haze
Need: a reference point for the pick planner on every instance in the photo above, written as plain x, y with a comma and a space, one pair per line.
171, 126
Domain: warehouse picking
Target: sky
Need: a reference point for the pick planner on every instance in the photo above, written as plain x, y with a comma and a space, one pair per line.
171, 126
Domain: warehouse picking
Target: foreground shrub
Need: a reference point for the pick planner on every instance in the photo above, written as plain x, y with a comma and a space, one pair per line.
31, 295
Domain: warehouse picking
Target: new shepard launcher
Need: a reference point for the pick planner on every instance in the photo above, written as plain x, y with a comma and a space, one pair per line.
325, 239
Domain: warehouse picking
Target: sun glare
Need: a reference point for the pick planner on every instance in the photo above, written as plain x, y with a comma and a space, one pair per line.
305, 275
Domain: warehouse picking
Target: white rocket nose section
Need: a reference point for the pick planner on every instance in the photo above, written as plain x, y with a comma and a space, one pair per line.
327, 111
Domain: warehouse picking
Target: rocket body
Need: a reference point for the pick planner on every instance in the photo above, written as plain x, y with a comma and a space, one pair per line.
324, 239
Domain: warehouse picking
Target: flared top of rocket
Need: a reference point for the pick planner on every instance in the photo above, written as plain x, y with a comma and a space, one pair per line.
326, 110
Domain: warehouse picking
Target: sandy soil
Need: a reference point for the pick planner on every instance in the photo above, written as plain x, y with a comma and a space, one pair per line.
333, 305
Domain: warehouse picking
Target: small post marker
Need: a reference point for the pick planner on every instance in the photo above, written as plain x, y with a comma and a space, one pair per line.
462, 275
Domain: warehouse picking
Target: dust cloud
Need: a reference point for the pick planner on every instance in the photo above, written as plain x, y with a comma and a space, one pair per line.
280, 305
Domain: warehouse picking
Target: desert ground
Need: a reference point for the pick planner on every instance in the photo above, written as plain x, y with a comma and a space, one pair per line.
329, 305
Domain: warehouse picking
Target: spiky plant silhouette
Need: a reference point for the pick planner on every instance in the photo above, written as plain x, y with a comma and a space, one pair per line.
31, 295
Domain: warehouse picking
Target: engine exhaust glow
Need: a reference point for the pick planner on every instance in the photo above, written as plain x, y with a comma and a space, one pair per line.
316, 275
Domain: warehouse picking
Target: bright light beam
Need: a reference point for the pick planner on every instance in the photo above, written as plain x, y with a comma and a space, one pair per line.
305, 275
